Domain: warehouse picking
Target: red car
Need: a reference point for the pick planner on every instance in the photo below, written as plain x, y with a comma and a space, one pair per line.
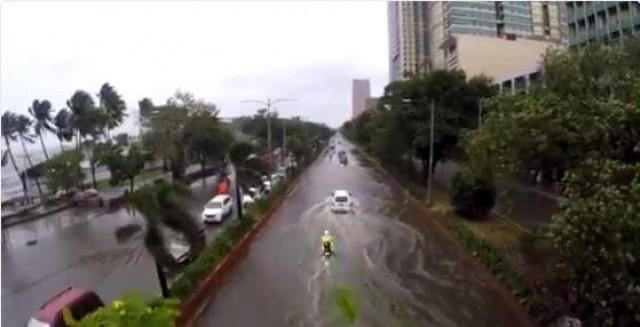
80, 302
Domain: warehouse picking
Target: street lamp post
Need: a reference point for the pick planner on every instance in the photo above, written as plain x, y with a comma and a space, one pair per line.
269, 103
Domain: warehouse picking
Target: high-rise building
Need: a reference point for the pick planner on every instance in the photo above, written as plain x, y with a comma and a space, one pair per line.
360, 93
408, 40
601, 21
495, 38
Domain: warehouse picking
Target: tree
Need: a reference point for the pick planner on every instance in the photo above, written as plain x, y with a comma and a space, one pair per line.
206, 139
62, 122
165, 136
124, 166
247, 164
597, 234
98, 154
41, 113
9, 134
23, 130
86, 119
63, 171
162, 204
113, 106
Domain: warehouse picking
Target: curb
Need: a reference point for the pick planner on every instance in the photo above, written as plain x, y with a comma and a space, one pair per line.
494, 284
194, 305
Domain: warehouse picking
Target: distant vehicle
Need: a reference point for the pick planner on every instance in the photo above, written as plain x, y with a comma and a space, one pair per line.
80, 302
342, 157
179, 251
217, 208
224, 184
341, 201
255, 193
277, 178
247, 200
267, 186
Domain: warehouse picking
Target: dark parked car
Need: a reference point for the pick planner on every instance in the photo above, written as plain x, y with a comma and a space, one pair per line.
80, 302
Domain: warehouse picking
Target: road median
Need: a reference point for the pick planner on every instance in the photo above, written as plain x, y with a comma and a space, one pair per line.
203, 278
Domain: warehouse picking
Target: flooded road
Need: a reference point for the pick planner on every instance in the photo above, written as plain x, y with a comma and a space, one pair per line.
79, 248
398, 267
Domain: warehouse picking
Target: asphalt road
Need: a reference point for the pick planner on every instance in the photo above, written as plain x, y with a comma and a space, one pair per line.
397, 265
79, 248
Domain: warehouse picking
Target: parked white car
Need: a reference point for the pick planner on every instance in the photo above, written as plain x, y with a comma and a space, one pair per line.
217, 208
267, 186
247, 200
277, 178
255, 193
341, 201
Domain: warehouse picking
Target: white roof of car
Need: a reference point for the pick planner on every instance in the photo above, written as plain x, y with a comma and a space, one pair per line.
219, 198
340, 193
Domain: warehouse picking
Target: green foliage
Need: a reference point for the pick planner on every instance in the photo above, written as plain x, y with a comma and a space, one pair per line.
494, 260
63, 171
346, 301
130, 311
122, 166
472, 196
206, 138
598, 236
399, 128
162, 204
112, 105
589, 107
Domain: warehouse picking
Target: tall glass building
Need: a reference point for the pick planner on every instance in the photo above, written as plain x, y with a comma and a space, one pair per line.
601, 21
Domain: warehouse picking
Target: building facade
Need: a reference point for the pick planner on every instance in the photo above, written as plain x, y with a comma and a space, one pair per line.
360, 93
408, 39
495, 38
601, 21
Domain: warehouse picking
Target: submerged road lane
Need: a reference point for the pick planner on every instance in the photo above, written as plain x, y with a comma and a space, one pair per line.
400, 267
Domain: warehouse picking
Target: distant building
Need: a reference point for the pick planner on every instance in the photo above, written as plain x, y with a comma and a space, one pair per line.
601, 21
408, 38
495, 38
360, 93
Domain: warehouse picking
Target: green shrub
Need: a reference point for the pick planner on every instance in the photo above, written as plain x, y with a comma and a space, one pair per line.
130, 311
472, 196
598, 235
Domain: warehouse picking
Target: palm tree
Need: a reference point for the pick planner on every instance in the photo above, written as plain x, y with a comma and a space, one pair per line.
113, 105
62, 121
23, 129
41, 113
82, 121
9, 134
162, 204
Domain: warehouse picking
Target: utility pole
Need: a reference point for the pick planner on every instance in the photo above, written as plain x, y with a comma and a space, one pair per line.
479, 112
269, 135
284, 141
432, 126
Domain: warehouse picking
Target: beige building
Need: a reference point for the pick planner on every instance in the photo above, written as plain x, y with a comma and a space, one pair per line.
495, 38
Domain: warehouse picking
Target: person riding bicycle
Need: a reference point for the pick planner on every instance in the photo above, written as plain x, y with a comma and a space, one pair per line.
328, 246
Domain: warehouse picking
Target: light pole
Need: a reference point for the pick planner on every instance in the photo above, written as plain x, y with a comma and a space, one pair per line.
480, 103
268, 104
432, 115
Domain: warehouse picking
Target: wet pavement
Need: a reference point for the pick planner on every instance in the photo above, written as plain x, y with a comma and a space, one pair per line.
400, 267
79, 249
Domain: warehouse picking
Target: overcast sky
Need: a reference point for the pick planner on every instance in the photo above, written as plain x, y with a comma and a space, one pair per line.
224, 52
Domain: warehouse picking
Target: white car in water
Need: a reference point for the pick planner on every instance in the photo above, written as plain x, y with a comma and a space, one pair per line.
341, 201
217, 208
